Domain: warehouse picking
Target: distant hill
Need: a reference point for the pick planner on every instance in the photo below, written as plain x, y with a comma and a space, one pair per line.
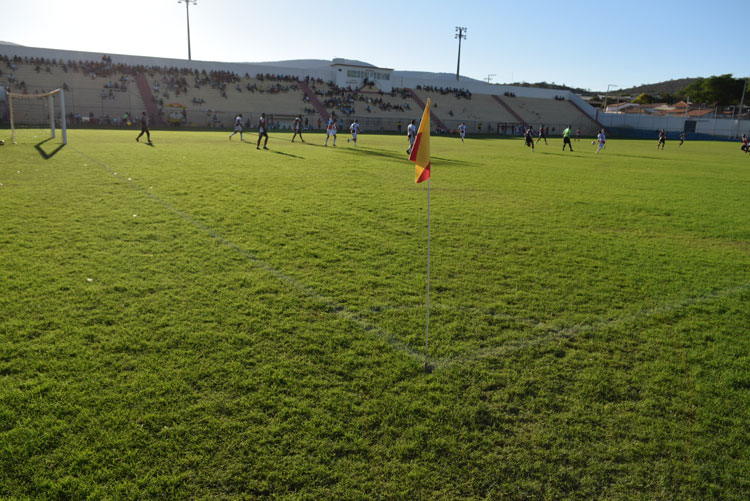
656, 89
545, 85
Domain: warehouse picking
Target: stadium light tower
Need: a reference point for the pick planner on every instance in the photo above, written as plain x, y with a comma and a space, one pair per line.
460, 33
187, 10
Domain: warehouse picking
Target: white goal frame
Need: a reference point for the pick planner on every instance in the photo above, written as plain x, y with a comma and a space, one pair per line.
51, 101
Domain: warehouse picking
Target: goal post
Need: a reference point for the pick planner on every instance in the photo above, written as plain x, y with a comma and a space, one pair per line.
35, 109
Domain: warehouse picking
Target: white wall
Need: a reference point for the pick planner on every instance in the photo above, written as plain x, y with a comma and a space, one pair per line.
717, 127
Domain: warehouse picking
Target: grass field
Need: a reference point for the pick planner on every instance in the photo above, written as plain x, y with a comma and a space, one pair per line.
199, 319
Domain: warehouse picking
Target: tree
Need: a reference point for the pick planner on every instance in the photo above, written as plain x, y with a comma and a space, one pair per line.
722, 90
644, 99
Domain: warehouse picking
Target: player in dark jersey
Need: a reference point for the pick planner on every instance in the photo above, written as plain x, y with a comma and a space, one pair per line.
262, 132
745, 144
144, 128
682, 139
542, 135
297, 126
662, 139
529, 136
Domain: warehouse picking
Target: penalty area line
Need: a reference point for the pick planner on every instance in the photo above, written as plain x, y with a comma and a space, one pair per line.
331, 304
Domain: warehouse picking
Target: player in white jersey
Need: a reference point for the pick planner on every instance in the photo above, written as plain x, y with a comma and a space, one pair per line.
297, 126
237, 127
602, 140
262, 132
354, 129
331, 129
462, 131
411, 133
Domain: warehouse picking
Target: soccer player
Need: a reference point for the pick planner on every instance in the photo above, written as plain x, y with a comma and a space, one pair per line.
462, 131
144, 128
529, 136
262, 132
566, 139
354, 129
578, 134
297, 126
237, 127
602, 140
331, 129
662, 139
411, 133
542, 135
682, 139
745, 144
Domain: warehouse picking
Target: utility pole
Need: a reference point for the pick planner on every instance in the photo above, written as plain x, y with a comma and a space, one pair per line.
606, 96
187, 10
460, 33
489, 78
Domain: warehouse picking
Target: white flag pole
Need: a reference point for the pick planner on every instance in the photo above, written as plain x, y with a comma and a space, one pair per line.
427, 331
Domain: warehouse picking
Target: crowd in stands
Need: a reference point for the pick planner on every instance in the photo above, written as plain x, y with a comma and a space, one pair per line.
457, 93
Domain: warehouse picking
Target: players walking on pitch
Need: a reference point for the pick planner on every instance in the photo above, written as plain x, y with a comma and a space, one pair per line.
602, 140
411, 133
662, 139
237, 127
262, 132
144, 128
462, 131
566, 139
331, 129
354, 129
297, 126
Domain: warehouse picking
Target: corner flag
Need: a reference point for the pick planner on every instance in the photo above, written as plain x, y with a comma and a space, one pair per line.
420, 153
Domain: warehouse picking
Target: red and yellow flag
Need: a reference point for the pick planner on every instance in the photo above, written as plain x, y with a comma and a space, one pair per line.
420, 153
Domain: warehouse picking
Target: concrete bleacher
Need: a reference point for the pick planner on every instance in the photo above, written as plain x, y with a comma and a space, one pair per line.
83, 92
555, 114
208, 105
213, 98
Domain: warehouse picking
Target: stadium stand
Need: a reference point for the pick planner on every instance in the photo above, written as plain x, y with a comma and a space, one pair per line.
553, 113
102, 93
94, 93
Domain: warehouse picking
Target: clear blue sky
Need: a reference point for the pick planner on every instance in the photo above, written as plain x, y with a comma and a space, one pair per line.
581, 43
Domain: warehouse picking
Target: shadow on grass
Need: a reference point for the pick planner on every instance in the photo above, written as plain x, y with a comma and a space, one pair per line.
44, 154
393, 155
286, 154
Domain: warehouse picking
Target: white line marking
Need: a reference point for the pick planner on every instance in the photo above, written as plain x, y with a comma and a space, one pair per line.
332, 305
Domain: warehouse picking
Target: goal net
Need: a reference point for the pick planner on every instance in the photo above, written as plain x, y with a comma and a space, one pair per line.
38, 111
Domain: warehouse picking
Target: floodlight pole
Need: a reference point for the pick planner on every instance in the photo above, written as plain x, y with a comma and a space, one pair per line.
460, 33
187, 11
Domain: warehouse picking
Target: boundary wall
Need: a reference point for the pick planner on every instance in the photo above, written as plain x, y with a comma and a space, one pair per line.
644, 126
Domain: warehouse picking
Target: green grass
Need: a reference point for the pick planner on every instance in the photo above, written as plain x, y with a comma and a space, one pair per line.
199, 319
